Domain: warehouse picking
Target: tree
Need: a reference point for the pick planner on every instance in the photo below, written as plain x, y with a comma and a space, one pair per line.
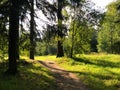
57, 7
13, 36
32, 32
110, 29
82, 36
60, 52
61, 4
82, 21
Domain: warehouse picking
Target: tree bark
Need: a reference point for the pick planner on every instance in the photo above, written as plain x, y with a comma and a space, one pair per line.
32, 45
73, 36
13, 36
60, 52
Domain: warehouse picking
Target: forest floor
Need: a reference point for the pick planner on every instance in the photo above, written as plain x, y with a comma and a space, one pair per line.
84, 72
65, 80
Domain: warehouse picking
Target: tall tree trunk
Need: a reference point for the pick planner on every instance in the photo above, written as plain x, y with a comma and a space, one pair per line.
13, 36
73, 36
32, 45
60, 52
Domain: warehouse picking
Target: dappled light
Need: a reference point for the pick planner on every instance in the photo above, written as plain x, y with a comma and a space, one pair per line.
64, 79
31, 76
59, 44
99, 73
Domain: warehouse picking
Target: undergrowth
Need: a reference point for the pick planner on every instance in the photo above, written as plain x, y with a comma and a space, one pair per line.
31, 76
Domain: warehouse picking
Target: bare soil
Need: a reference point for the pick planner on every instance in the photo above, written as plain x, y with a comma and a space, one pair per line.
65, 80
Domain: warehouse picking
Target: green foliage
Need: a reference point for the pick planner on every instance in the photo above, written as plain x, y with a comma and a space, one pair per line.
24, 43
41, 49
80, 35
109, 36
3, 44
45, 48
3, 30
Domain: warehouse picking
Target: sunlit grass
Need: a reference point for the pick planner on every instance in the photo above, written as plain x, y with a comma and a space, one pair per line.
45, 57
98, 71
31, 76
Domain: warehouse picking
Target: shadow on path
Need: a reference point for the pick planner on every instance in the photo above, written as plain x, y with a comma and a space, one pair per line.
64, 79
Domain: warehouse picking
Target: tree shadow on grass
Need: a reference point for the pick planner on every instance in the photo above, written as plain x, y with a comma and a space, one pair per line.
92, 80
102, 63
96, 81
30, 77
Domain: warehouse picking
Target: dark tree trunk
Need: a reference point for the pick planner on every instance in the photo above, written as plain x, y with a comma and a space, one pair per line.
13, 36
71, 51
32, 45
60, 49
60, 52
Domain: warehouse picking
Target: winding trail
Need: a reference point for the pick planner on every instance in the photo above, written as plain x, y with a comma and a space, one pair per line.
64, 79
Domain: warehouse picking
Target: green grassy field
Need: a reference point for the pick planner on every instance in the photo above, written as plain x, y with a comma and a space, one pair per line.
98, 72
31, 76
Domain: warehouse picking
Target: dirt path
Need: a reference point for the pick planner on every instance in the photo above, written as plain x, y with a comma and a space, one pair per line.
64, 79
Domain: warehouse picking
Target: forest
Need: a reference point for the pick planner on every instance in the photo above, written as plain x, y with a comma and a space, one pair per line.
59, 45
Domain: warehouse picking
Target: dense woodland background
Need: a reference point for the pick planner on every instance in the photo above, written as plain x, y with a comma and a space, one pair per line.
73, 27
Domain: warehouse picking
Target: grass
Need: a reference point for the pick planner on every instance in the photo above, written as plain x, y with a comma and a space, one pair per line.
45, 57
98, 72
31, 76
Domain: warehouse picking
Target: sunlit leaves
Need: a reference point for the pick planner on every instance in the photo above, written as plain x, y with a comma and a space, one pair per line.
109, 36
